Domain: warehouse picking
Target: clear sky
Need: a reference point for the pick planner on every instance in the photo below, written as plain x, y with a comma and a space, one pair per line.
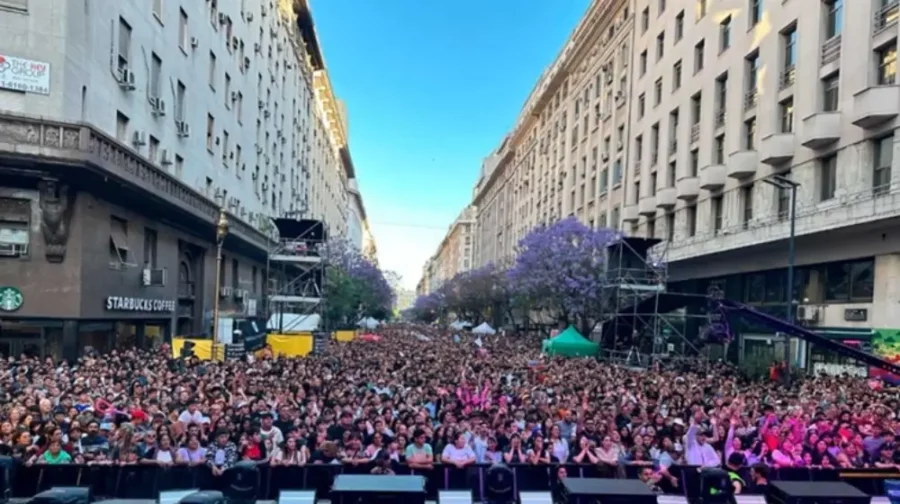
431, 87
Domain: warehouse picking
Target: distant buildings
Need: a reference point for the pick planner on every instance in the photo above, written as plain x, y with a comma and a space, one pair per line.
454, 255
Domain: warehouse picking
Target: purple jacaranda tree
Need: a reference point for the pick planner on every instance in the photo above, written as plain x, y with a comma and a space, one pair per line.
427, 308
560, 270
355, 286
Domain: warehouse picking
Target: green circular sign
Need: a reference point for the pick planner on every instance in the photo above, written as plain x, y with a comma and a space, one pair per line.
11, 299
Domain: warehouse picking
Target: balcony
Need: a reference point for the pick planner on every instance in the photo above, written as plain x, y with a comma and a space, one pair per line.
787, 77
712, 177
886, 16
647, 205
687, 188
821, 130
876, 105
742, 164
695, 133
630, 213
831, 50
720, 118
777, 148
665, 198
750, 99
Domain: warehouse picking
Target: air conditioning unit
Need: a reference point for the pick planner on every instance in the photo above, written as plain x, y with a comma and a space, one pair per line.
13, 249
139, 139
125, 79
165, 159
235, 43
234, 96
223, 18
248, 17
195, 42
604, 156
158, 106
261, 104
240, 293
183, 129
808, 314
262, 10
257, 48
153, 277
259, 149
226, 291
246, 62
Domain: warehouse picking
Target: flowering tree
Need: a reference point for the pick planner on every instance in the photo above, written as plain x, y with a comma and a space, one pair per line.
426, 308
560, 270
355, 287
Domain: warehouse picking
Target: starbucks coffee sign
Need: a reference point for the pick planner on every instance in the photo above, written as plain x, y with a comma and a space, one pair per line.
130, 304
11, 299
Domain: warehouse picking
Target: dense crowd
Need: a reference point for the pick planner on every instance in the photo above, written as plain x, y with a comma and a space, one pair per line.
422, 396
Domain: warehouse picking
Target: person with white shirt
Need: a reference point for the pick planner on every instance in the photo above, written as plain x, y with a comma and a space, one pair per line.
697, 450
459, 453
193, 415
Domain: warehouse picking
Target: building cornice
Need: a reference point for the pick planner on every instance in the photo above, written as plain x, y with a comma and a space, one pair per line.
308, 32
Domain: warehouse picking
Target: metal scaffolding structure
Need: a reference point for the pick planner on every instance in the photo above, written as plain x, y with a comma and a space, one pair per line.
634, 330
296, 297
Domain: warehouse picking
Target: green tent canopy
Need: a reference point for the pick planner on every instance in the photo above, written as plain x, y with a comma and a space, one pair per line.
570, 343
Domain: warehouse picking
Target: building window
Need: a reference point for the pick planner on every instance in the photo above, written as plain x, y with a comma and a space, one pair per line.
210, 132
651, 227
212, 71
750, 134
614, 218
679, 26
155, 75
783, 195
747, 200
124, 43
180, 91
660, 46
716, 210
886, 58
122, 127
150, 248
831, 93
883, 159
719, 150
699, 55
670, 226
850, 281
154, 149
657, 92
834, 18
676, 76
183, 41
15, 231
787, 115
693, 163
645, 20
701, 8
661, 4
827, 177
721, 93
642, 105
179, 166
118, 242
690, 214
725, 34
756, 12
642, 63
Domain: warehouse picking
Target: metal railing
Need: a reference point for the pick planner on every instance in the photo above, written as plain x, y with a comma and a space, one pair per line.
787, 77
831, 50
887, 16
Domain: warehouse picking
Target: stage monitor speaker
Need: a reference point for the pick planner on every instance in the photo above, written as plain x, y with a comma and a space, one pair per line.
203, 497
241, 483
892, 491
535, 498
371, 488
606, 491
174, 496
296, 497
63, 495
820, 492
454, 497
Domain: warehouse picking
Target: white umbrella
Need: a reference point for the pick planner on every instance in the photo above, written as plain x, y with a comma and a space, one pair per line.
484, 328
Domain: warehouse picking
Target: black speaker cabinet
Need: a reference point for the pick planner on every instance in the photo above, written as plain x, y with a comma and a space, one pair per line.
820, 492
606, 491
63, 495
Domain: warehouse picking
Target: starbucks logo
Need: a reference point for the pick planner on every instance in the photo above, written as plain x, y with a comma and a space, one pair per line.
11, 299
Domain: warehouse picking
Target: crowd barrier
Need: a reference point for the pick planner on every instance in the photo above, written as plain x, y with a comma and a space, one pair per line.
146, 481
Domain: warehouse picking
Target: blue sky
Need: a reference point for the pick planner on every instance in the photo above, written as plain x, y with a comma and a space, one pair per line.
431, 87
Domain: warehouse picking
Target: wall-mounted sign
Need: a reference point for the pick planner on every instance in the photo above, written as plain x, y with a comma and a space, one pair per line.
11, 299
24, 75
130, 304
856, 314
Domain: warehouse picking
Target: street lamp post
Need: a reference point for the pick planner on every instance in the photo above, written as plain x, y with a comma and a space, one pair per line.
221, 233
784, 183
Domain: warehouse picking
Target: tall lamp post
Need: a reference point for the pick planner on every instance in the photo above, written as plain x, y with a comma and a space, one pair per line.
783, 183
221, 233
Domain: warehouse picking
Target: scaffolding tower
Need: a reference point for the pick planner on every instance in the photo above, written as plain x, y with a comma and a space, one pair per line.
634, 331
295, 271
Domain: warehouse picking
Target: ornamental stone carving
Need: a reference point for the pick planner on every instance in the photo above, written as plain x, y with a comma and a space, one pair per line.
56, 214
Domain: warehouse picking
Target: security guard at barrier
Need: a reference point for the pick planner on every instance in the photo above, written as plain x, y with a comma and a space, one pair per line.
732, 467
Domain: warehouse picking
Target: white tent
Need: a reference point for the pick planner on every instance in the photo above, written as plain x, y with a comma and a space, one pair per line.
293, 322
484, 328
367, 323
459, 324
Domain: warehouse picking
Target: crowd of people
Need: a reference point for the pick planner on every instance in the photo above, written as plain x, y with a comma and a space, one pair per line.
423, 396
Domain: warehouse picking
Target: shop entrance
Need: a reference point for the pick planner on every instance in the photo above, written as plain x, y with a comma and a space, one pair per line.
32, 347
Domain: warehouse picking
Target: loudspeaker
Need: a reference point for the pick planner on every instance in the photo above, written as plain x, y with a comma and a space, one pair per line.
454, 497
353, 488
63, 495
204, 497
607, 491
820, 492
892, 491
174, 496
241, 483
296, 497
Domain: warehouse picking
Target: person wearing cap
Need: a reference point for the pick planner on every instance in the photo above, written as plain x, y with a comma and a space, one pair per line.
697, 450
268, 430
223, 454
93, 443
